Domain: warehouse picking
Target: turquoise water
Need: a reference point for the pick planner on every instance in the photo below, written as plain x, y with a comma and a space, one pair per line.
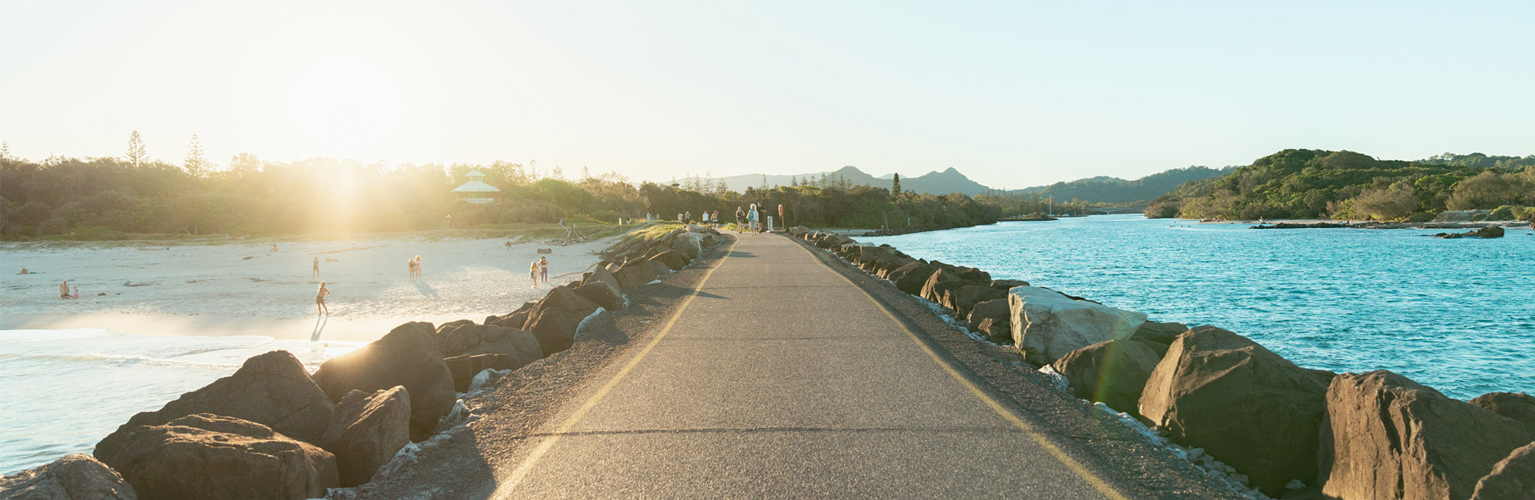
1456, 315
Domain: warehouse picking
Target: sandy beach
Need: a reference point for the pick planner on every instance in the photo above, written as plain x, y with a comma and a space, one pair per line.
245, 288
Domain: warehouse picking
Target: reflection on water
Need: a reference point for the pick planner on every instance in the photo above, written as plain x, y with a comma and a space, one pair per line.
67, 389
1453, 314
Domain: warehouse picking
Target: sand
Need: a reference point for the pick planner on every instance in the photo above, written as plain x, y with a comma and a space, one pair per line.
246, 289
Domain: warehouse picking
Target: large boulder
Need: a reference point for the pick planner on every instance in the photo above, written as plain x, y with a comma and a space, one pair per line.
1047, 324
271, 389
1112, 372
799, 231
1511, 479
459, 336
1243, 404
1005, 285
634, 273
213, 456
406, 356
1158, 336
602, 275
555, 329
74, 477
565, 298
689, 245
366, 431
1515, 405
519, 346
939, 284
659, 268
602, 294
672, 259
991, 318
1388, 437
963, 299
911, 277
465, 367
973, 274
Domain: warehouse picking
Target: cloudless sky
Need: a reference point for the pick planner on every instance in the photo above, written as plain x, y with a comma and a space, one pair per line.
1011, 93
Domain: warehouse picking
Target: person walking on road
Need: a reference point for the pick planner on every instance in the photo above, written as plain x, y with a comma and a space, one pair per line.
319, 300
716, 218
781, 222
752, 218
740, 218
543, 269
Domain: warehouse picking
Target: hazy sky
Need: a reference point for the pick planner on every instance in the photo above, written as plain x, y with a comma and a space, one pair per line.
1011, 93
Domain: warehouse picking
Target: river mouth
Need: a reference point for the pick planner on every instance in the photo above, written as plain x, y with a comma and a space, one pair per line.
1451, 314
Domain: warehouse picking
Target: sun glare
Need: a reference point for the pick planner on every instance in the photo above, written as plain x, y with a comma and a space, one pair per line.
344, 110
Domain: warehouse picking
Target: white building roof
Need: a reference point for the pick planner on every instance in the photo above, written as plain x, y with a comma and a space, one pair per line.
476, 187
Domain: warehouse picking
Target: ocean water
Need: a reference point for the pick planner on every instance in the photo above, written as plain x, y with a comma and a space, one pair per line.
1456, 315
64, 390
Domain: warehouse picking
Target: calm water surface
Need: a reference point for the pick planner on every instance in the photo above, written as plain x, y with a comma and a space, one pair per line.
1456, 315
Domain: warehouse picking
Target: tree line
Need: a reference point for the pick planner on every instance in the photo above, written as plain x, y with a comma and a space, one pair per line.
1303, 184
134, 196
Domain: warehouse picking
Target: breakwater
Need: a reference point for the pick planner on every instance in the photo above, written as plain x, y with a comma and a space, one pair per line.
1281, 428
360, 413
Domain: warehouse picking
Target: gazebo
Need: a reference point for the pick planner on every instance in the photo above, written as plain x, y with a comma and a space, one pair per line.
476, 190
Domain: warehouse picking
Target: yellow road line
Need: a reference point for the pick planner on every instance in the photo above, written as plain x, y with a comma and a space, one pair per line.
522, 470
1077, 467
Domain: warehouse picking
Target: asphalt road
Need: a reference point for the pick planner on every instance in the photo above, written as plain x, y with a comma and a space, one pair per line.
778, 377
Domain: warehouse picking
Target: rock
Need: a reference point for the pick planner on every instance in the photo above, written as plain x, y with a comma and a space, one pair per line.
1005, 285
406, 356
1515, 405
689, 245
973, 274
992, 318
1159, 335
963, 299
456, 337
464, 368
910, 278
1112, 372
659, 268
939, 283
565, 298
635, 273
1388, 437
799, 231
602, 294
272, 389
213, 456
366, 431
1243, 404
1511, 479
75, 477
1486, 232
673, 260
1047, 324
519, 346
555, 329
601, 275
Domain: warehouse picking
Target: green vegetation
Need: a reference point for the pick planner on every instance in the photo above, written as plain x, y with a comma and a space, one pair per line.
139, 199
1301, 184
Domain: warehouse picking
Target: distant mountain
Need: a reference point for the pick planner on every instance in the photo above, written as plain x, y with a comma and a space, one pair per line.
1104, 189
945, 182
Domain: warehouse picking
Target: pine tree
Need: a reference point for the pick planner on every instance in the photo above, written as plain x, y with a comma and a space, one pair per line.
586, 173
895, 185
196, 166
764, 186
137, 155
557, 173
244, 164
5, 150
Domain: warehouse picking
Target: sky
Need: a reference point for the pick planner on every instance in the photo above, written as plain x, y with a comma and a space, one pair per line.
1011, 93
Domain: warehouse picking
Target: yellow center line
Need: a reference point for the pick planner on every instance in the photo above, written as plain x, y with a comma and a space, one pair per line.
543, 447
1077, 467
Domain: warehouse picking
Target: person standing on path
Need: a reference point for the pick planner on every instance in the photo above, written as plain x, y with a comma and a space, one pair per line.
316, 267
781, 222
752, 218
533, 273
543, 269
319, 300
740, 217
705, 217
717, 219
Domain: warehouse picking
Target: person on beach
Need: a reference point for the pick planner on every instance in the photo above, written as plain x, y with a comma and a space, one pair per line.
418, 266
533, 273
64, 289
316, 267
410, 268
77, 292
274, 247
740, 216
543, 269
319, 300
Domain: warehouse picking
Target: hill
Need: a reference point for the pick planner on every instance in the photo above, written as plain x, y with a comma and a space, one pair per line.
1104, 189
1305, 183
945, 182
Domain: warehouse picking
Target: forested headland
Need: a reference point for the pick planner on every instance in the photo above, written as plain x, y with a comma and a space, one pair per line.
1305, 184
133, 198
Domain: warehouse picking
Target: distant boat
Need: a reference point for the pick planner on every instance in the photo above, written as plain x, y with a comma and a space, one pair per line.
1026, 218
